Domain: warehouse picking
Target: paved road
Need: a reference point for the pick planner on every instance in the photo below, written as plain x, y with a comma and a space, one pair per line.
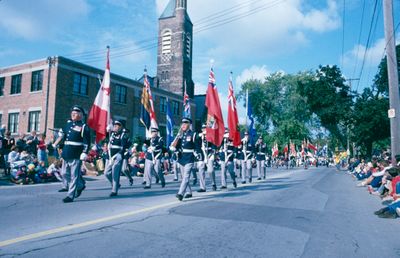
302, 213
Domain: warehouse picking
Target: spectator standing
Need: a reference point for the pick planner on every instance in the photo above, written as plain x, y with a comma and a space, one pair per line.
32, 142
42, 149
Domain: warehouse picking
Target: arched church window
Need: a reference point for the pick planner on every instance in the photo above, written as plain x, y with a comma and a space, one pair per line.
166, 42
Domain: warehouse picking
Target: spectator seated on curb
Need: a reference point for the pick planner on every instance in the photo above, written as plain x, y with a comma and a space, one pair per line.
54, 170
20, 175
375, 179
392, 211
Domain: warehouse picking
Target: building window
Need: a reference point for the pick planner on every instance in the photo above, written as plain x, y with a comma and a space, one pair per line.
175, 108
80, 84
2, 86
13, 120
166, 42
16, 84
37, 81
163, 105
120, 94
34, 121
188, 45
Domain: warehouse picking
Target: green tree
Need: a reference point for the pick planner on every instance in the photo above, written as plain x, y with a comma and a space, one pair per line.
370, 121
278, 107
329, 98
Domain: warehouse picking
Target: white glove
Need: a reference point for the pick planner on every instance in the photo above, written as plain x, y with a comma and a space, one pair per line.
172, 148
54, 146
150, 149
83, 156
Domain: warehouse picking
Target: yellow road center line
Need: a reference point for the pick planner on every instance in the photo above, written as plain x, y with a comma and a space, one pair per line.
83, 224
110, 218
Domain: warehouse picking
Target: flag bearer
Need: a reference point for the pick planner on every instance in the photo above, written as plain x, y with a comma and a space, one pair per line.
153, 159
116, 151
261, 149
226, 158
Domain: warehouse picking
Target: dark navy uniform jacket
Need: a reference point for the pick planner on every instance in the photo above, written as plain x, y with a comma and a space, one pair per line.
249, 149
261, 151
118, 143
239, 153
157, 144
76, 136
187, 146
230, 149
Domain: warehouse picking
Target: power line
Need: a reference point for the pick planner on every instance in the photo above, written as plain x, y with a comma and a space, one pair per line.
343, 26
368, 43
359, 38
121, 50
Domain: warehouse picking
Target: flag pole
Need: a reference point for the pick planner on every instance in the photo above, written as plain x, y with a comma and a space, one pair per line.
247, 108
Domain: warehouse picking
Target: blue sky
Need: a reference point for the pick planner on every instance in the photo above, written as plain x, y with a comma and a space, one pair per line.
273, 35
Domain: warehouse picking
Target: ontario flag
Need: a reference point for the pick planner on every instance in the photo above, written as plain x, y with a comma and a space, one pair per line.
215, 122
233, 120
99, 115
147, 113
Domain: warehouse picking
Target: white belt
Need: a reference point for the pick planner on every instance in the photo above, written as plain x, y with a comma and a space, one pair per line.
187, 150
73, 143
261, 153
248, 151
116, 147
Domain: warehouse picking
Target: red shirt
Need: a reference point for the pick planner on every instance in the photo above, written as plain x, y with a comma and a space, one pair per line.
42, 145
394, 183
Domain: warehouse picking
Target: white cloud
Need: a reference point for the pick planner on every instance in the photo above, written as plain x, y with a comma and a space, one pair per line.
373, 55
254, 72
22, 20
279, 27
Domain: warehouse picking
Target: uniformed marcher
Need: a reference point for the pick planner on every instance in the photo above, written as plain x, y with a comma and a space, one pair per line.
125, 162
247, 167
226, 156
116, 150
76, 136
185, 141
261, 151
211, 153
239, 157
201, 157
175, 167
153, 159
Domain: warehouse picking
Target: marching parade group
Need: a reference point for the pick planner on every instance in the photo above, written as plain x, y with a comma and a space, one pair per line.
191, 151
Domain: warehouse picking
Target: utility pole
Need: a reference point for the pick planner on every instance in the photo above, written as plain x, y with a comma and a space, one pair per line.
393, 76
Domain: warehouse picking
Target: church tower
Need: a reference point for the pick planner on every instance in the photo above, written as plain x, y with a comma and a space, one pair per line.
175, 43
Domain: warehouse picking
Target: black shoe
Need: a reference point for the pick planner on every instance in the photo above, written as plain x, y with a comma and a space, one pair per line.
188, 196
175, 179
194, 181
79, 192
157, 180
201, 190
147, 187
144, 182
162, 184
112, 194
67, 200
250, 180
130, 182
223, 187
63, 190
214, 187
179, 196
243, 182
264, 177
234, 184
381, 211
259, 178
388, 215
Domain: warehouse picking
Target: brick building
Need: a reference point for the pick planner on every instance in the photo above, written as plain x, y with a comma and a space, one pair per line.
38, 95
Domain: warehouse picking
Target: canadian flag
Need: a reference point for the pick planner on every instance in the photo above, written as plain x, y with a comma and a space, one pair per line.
99, 115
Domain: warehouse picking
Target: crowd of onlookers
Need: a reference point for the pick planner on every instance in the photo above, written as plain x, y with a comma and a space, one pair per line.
382, 179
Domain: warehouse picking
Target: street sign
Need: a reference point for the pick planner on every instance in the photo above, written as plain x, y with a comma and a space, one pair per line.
391, 113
